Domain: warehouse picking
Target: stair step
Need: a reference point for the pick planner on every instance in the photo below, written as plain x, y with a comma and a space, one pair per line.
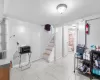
46, 54
51, 44
52, 40
49, 49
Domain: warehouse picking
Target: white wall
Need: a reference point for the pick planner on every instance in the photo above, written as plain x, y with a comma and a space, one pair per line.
58, 42
1, 9
93, 38
62, 38
26, 34
79, 35
81, 32
65, 40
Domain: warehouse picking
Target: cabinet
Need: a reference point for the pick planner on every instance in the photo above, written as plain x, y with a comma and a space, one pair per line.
5, 72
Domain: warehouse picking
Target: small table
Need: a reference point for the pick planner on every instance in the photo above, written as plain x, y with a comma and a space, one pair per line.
25, 50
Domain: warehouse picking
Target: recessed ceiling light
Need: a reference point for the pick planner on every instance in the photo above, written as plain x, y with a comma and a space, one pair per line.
61, 8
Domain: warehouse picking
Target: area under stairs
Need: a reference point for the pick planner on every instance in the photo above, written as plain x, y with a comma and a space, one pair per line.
49, 51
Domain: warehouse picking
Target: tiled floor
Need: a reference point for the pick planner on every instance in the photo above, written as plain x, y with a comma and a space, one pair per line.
62, 69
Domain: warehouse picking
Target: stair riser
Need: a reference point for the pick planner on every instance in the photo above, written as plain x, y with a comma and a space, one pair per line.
51, 44
45, 57
47, 51
52, 41
50, 47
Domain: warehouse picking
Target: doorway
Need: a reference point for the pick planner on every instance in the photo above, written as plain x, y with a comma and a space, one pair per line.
70, 39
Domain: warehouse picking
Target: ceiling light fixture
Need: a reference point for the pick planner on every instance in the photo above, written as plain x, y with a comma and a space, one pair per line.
61, 8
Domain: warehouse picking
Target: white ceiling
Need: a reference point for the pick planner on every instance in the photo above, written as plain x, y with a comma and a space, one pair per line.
1, 8
44, 11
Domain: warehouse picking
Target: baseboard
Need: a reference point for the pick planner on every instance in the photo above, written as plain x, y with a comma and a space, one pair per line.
25, 63
59, 58
36, 60
17, 66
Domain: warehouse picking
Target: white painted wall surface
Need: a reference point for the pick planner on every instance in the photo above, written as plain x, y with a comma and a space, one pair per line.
81, 32
58, 42
26, 34
1, 9
65, 40
94, 37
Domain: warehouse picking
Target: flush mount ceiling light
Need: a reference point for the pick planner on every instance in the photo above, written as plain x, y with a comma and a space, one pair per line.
61, 8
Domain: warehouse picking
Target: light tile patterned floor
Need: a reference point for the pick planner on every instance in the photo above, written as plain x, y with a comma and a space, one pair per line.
62, 69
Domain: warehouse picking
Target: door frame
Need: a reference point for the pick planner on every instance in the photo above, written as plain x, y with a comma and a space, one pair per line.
63, 39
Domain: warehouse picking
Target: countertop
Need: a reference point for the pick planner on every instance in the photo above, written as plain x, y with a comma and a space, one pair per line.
4, 61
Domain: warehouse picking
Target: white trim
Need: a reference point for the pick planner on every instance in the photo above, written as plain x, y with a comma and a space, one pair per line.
21, 20
16, 66
55, 44
82, 19
91, 17
63, 49
24, 63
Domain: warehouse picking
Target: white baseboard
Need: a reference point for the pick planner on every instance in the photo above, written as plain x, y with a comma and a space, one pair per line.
25, 63
17, 66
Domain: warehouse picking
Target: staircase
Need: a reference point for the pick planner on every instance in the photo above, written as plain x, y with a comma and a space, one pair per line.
48, 55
